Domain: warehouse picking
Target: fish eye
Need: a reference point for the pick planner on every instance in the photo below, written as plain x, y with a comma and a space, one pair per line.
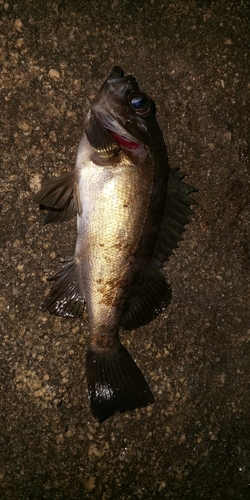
141, 103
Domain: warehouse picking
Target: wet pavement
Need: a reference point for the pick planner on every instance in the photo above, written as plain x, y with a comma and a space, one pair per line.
194, 441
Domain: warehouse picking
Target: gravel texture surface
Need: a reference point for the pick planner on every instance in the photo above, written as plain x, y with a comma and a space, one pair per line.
194, 442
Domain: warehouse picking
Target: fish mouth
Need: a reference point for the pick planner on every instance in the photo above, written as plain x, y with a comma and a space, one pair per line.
119, 134
123, 142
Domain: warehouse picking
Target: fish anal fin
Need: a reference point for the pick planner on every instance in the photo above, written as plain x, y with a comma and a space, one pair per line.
150, 294
60, 195
115, 383
65, 297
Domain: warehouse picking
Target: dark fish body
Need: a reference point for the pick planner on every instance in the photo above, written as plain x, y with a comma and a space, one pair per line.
128, 223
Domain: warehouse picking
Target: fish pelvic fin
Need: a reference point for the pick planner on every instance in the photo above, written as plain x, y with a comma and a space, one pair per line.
65, 297
115, 383
61, 196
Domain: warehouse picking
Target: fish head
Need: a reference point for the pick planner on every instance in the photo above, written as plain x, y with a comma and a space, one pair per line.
121, 117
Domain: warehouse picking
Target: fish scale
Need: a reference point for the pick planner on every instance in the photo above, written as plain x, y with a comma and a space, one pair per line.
109, 236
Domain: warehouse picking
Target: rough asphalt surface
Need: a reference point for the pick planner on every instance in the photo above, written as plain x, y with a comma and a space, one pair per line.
194, 441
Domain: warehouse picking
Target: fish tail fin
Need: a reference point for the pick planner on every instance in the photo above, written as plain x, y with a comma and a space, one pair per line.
115, 383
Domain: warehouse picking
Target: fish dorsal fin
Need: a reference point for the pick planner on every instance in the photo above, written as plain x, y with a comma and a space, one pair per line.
100, 139
175, 217
65, 297
61, 195
149, 296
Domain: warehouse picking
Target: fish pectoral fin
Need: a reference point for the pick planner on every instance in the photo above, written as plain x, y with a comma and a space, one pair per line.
150, 295
100, 139
115, 383
175, 217
61, 195
65, 297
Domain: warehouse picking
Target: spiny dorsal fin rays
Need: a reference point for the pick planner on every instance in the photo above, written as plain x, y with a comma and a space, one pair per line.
175, 216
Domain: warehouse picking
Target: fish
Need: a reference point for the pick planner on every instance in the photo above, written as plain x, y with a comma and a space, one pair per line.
131, 212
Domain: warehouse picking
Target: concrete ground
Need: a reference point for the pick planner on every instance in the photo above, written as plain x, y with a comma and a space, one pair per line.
194, 441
